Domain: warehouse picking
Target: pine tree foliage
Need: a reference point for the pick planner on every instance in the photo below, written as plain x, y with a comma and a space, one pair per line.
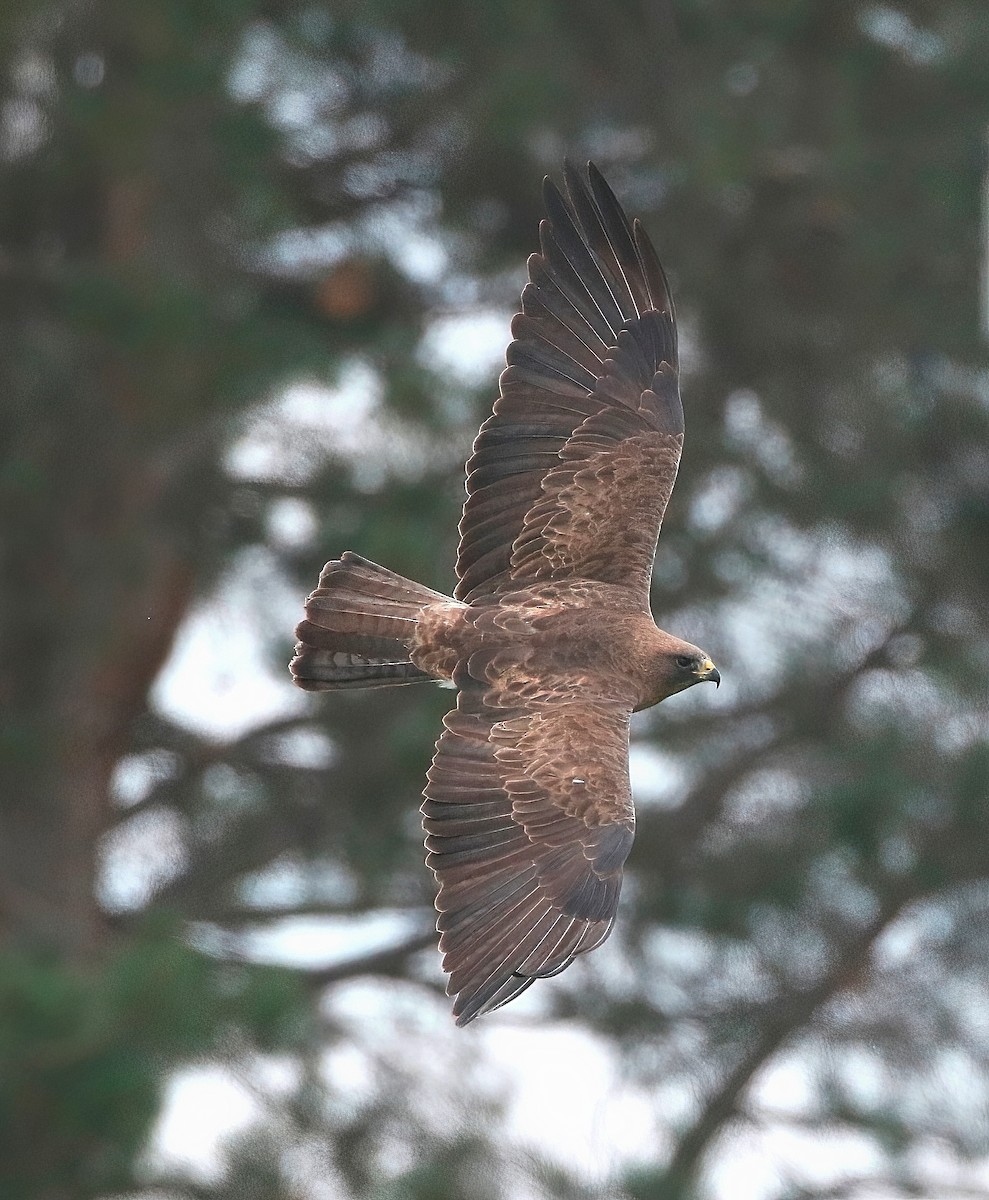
206, 208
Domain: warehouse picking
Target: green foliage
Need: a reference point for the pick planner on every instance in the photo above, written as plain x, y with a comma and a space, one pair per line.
82, 1048
646, 1183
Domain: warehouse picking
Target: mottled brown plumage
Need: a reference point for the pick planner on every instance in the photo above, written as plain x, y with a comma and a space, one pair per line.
549, 638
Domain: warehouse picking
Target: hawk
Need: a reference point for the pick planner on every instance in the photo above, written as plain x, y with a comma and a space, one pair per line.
548, 636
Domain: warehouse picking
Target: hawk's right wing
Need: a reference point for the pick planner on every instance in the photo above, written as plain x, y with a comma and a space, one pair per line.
528, 816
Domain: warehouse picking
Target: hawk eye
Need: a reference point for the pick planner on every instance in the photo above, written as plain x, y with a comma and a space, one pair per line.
684, 661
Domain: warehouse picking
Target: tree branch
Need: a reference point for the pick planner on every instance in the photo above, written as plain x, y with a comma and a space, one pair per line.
792, 1014
386, 960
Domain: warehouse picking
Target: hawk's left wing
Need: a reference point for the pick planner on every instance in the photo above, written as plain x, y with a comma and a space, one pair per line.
571, 474
528, 816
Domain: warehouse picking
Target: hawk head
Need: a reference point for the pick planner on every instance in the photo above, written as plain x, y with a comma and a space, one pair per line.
678, 666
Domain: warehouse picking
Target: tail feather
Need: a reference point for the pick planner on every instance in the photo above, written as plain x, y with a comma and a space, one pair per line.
318, 637
358, 628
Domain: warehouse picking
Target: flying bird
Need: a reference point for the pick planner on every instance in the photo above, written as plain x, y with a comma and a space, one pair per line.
548, 637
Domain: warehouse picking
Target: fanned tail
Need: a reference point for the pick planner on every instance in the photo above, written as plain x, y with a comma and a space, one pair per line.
359, 623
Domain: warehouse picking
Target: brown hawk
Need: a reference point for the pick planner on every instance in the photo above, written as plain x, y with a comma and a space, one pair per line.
549, 637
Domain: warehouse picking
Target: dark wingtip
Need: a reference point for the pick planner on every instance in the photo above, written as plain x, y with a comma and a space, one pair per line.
653, 270
597, 179
571, 176
555, 204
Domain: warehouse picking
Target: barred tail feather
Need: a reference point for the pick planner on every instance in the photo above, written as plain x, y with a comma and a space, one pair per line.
359, 623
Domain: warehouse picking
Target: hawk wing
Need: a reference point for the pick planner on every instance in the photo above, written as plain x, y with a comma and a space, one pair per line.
572, 472
528, 818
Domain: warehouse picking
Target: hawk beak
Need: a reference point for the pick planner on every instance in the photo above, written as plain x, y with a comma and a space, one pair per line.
709, 672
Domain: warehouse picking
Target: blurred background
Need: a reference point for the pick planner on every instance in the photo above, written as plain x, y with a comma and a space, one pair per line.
257, 266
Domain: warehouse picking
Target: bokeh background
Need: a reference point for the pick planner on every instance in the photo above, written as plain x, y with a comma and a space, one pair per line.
257, 264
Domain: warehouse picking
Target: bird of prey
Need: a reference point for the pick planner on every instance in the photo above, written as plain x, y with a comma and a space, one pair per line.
548, 636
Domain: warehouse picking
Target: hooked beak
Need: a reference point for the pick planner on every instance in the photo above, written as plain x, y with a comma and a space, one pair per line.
708, 672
